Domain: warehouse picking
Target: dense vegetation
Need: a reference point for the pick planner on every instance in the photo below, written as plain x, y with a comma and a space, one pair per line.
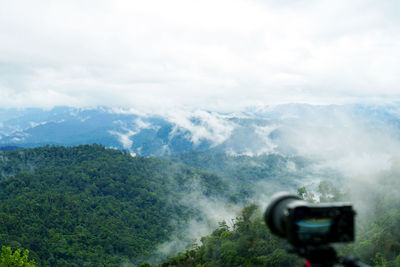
378, 199
9, 258
91, 206
241, 167
248, 242
248, 175
88, 205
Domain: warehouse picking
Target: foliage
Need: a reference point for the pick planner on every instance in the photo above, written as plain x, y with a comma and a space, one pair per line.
15, 259
91, 206
378, 231
244, 174
241, 167
377, 240
246, 243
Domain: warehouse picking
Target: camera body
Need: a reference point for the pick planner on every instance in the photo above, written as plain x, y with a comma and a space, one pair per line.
304, 224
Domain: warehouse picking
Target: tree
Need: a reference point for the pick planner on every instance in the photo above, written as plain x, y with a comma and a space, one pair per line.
328, 192
305, 195
144, 264
10, 259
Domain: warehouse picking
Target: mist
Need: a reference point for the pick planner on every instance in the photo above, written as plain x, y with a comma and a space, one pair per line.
355, 148
215, 77
254, 153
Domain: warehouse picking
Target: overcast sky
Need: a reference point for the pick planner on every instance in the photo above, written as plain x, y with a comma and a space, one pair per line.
213, 54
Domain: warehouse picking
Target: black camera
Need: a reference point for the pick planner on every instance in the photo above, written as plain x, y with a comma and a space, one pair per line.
309, 224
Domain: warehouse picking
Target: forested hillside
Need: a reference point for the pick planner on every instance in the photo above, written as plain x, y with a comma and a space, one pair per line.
155, 133
378, 201
248, 242
248, 174
88, 205
92, 206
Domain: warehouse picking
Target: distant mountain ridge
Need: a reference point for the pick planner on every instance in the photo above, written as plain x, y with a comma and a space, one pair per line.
253, 131
211, 164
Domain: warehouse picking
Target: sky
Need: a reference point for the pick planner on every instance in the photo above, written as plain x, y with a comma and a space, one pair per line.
220, 55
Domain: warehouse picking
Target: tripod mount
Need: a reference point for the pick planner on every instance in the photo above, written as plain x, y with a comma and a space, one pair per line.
325, 256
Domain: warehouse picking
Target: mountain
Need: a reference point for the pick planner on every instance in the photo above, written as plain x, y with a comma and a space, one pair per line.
290, 129
247, 242
154, 183
257, 176
91, 206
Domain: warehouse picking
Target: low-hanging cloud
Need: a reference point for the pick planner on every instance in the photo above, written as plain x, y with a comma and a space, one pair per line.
350, 145
202, 126
353, 146
125, 135
210, 212
125, 138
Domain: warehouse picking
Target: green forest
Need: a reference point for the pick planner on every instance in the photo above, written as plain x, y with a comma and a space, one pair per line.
92, 206
248, 242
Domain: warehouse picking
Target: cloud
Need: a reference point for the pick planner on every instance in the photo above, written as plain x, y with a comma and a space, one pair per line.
219, 55
140, 124
125, 138
125, 134
351, 139
202, 126
211, 211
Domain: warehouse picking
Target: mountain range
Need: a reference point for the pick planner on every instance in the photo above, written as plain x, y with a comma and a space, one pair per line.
284, 129
181, 173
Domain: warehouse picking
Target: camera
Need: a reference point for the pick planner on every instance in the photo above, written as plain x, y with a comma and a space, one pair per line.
309, 224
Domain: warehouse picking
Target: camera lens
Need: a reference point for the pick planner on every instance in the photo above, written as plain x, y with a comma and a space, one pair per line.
303, 223
276, 213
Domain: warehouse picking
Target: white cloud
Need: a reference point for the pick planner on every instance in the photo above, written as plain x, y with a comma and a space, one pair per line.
340, 139
220, 55
33, 124
125, 139
211, 210
202, 126
140, 124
